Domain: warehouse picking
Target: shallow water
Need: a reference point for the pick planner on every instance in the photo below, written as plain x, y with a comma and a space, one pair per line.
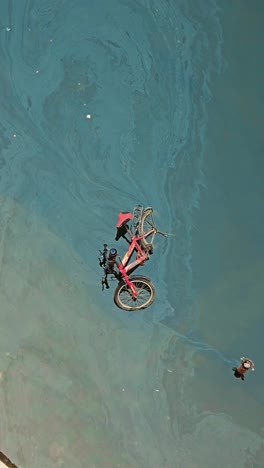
83, 383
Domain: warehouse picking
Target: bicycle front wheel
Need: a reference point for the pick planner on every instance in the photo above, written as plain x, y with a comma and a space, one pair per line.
146, 224
124, 299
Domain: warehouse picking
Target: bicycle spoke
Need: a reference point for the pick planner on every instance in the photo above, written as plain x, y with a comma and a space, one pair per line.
144, 295
148, 223
145, 227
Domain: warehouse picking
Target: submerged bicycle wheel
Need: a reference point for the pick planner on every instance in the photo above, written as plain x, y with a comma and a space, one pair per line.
146, 224
123, 297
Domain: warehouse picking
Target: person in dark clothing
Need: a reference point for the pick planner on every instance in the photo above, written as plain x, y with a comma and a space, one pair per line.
246, 364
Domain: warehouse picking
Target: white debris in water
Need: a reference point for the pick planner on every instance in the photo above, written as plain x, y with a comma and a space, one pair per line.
8, 29
88, 116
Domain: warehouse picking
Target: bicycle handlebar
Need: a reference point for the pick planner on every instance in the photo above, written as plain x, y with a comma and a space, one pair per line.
164, 234
156, 231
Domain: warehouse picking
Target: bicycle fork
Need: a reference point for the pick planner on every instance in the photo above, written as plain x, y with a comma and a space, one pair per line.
128, 282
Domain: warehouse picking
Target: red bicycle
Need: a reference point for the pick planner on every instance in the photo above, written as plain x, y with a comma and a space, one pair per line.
132, 292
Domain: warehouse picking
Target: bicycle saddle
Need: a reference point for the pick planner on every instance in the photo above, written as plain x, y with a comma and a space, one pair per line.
123, 218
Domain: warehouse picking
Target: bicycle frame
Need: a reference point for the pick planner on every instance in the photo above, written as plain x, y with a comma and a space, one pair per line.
125, 268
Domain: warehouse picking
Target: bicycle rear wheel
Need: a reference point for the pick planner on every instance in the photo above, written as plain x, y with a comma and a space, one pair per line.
146, 224
124, 299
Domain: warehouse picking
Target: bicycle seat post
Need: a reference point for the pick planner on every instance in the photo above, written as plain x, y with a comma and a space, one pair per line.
129, 232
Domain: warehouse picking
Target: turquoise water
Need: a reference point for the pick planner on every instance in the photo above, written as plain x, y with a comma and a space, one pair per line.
175, 106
